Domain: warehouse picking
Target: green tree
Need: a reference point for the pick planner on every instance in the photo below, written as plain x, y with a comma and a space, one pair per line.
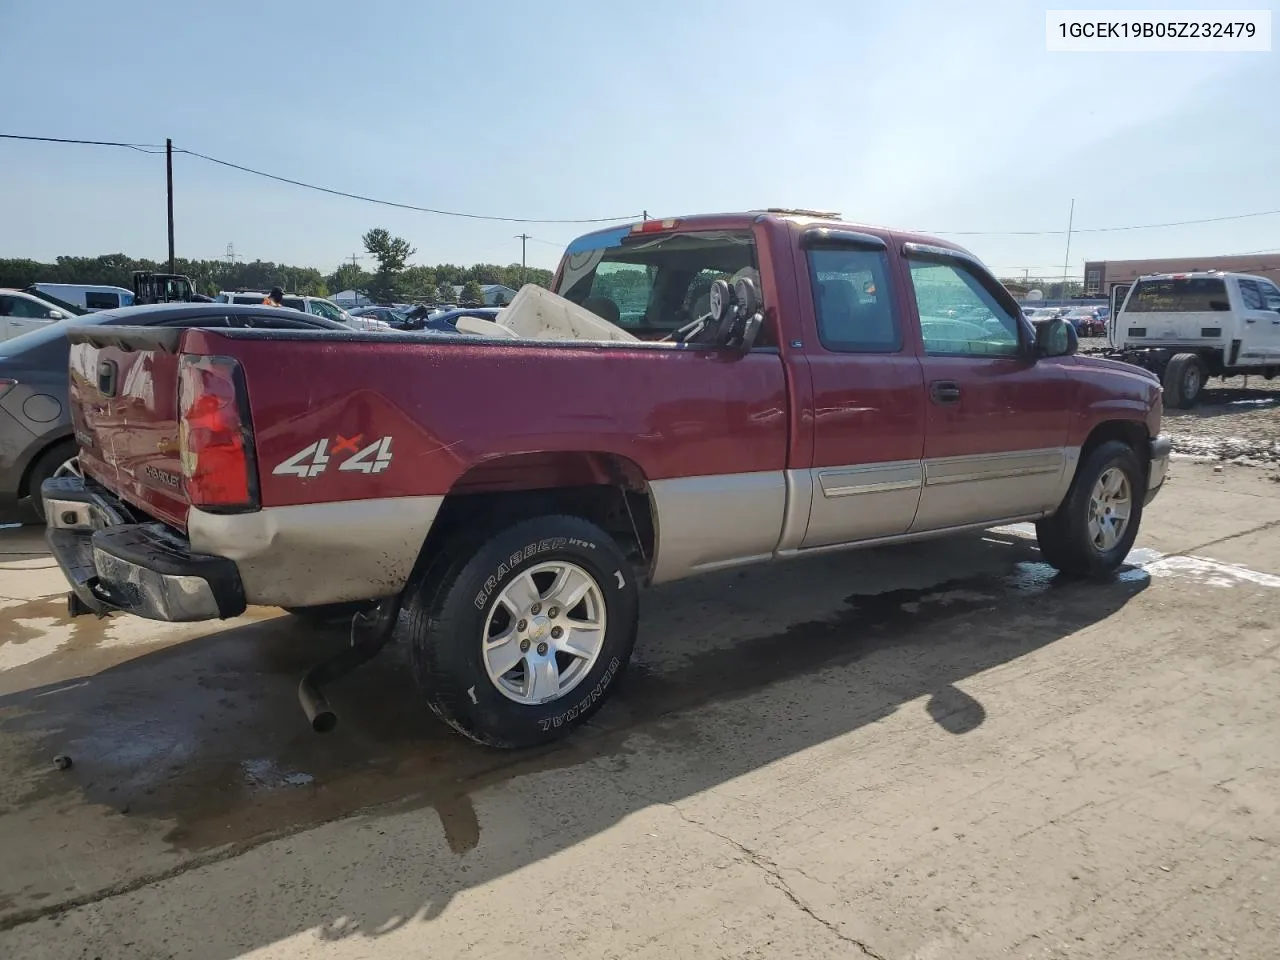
417, 283
349, 277
392, 253
471, 292
445, 293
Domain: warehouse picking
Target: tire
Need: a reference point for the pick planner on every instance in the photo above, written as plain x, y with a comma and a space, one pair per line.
1183, 380
328, 612
1066, 539
58, 459
467, 599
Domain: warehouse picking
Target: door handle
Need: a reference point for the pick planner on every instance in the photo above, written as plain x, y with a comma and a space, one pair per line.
944, 391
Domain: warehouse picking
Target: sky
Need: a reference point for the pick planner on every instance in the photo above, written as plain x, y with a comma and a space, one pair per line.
936, 116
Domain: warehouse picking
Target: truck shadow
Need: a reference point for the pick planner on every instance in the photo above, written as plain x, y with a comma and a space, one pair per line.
203, 743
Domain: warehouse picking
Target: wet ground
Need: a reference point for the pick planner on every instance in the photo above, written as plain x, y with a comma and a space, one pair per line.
876, 748
1237, 419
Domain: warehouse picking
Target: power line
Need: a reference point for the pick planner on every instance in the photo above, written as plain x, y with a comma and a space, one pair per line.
159, 148
1136, 226
140, 147
399, 206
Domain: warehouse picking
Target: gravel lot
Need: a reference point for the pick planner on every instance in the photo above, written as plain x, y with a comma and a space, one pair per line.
1237, 420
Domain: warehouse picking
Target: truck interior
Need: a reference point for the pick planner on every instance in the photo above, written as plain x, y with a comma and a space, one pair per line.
654, 285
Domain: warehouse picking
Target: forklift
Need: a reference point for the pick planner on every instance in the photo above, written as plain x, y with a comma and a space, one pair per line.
165, 288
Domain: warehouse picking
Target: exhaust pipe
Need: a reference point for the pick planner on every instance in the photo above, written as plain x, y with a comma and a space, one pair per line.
370, 632
314, 703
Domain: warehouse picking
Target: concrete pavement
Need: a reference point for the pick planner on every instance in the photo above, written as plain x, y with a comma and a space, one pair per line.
936, 751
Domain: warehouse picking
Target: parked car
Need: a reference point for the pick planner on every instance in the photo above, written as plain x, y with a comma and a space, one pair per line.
1086, 321
447, 321
393, 318
513, 492
1187, 327
36, 438
317, 306
21, 313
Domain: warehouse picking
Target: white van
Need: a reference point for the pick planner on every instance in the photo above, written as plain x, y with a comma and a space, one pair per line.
91, 296
317, 305
1187, 327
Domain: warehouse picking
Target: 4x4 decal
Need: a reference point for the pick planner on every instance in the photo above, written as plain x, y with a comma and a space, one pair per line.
313, 459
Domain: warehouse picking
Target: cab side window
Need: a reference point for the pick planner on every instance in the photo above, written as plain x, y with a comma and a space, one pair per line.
1250, 295
323, 309
852, 300
1270, 295
958, 315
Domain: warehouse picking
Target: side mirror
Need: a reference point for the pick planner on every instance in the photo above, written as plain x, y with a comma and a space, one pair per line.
1056, 338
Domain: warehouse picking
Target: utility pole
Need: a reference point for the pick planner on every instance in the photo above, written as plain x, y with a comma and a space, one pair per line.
168, 169
353, 258
1066, 260
644, 214
524, 241
231, 253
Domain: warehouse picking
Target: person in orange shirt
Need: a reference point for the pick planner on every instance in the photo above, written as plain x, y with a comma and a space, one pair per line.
275, 298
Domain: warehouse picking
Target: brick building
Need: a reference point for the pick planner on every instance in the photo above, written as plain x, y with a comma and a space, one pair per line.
1101, 275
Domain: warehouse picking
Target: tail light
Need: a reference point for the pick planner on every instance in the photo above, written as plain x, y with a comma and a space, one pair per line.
215, 436
654, 226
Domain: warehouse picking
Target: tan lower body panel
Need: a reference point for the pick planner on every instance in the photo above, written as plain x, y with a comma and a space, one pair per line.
705, 523
319, 553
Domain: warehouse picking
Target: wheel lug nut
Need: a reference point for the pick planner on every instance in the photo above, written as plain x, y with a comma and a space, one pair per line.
536, 609
553, 612
524, 646
522, 625
556, 633
542, 649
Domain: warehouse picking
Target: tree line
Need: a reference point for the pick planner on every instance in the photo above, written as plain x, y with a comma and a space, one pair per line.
393, 278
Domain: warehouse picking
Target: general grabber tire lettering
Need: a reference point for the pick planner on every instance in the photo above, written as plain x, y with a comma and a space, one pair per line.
1085, 536
518, 637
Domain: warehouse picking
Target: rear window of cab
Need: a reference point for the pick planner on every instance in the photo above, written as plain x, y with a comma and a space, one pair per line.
1178, 295
653, 284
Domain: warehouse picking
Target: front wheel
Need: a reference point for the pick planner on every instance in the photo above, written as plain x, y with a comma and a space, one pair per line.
521, 636
1093, 529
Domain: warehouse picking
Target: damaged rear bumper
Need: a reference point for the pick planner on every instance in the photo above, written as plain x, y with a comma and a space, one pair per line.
116, 564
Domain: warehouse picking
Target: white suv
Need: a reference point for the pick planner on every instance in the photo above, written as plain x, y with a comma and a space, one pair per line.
317, 305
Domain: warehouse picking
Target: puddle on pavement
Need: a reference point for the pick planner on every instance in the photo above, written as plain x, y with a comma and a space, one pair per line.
207, 737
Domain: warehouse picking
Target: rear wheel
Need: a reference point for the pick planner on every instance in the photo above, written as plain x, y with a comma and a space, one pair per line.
1183, 380
1093, 529
520, 636
60, 460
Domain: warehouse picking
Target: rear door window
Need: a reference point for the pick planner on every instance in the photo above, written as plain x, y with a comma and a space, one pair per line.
1270, 295
96, 300
1178, 295
1250, 295
851, 297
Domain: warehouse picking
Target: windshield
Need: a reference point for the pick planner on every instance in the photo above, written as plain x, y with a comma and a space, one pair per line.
1178, 295
652, 285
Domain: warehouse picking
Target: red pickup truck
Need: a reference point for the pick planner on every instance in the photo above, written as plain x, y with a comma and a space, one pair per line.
767, 385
